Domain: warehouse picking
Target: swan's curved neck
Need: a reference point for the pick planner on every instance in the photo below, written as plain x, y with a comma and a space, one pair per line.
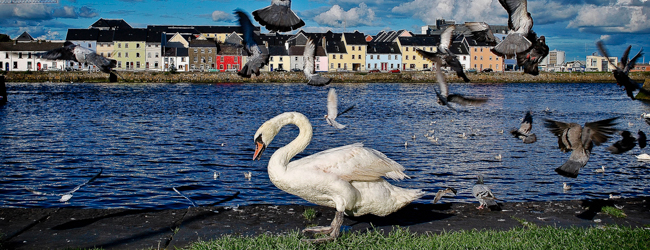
281, 157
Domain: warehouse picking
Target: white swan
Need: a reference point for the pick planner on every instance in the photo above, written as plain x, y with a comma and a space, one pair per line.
643, 157
348, 178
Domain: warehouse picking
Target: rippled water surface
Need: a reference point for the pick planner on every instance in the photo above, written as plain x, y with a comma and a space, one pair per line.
149, 138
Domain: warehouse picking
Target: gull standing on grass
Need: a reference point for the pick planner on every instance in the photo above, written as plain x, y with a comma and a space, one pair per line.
278, 17
308, 55
67, 195
483, 194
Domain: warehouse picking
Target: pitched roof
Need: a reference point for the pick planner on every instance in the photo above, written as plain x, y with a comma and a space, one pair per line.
278, 51
273, 39
356, 38
459, 48
300, 50
173, 51
82, 35
333, 43
383, 48
420, 40
130, 35
203, 43
390, 36
24, 37
113, 24
105, 36
30, 46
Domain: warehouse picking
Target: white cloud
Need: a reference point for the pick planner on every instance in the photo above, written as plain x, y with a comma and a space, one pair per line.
337, 17
218, 15
43, 12
429, 11
616, 18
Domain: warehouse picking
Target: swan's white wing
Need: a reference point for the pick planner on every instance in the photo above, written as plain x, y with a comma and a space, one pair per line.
308, 55
332, 104
445, 38
352, 163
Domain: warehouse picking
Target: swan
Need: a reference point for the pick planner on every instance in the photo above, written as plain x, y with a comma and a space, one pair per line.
347, 178
643, 157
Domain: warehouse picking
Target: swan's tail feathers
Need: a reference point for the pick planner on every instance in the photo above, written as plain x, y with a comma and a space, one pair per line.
381, 198
318, 80
513, 44
278, 18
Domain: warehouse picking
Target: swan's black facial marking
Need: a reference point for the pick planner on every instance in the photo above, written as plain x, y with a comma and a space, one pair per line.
260, 146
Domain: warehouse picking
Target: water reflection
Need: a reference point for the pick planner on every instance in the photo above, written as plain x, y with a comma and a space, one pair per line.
152, 137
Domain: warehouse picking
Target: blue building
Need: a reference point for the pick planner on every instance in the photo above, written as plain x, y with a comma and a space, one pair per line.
383, 56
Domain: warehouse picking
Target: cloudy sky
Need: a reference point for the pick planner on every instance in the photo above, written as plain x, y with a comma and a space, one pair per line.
569, 25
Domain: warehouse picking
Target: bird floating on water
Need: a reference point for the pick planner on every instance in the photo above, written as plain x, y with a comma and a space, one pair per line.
565, 186
347, 178
643, 157
498, 157
611, 196
248, 175
216, 175
600, 170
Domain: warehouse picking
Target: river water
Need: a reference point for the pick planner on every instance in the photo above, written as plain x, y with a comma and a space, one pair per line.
149, 138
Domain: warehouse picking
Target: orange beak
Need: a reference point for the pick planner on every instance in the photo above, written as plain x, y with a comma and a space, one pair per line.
259, 148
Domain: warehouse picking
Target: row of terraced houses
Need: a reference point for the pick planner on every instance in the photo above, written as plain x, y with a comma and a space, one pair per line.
213, 48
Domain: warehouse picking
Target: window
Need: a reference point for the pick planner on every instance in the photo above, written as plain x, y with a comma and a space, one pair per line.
412, 66
182, 59
391, 65
20, 55
352, 55
333, 56
481, 49
237, 58
102, 53
339, 65
317, 67
221, 58
119, 64
29, 55
155, 64
407, 48
29, 65
126, 54
126, 45
15, 65
271, 59
481, 57
332, 65
196, 51
202, 50
280, 59
220, 66
119, 54
196, 59
407, 57
497, 67
490, 58
137, 55
137, 65
379, 57
464, 58
475, 57
368, 65
340, 56
424, 66
352, 48
156, 54
475, 50
496, 58
359, 48
203, 59
295, 58
209, 50
149, 55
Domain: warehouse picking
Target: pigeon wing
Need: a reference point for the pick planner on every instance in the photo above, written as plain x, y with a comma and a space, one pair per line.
482, 32
445, 38
603, 52
526, 124
559, 129
278, 17
630, 65
308, 56
63, 53
332, 104
598, 132
462, 100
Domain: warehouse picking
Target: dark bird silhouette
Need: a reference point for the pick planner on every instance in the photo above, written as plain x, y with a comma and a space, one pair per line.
482, 33
278, 17
523, 132
444, 54
580, 140
642, 140
621, 74
308, 55
626, 144
520, 24
256, 59
531, 58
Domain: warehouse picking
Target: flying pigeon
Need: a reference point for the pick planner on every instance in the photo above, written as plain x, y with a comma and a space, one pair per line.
278, 17
523, 132
482, 33
73, 52
67, 195
256, 59
646, 118
520, 23
581, 140
332, 109
483, 194
441, 193
531, 58
621, 75
444, 98
313, 79
626, 144
447, 57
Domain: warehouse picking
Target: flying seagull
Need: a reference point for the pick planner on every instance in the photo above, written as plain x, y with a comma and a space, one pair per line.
256, 59
447, 57
626, 144
67, 195
581, 140
332, 109
482, 33
441, 193
73, 52
523, 132
278, 17
520, 24
308, 54
483, 194
621, 74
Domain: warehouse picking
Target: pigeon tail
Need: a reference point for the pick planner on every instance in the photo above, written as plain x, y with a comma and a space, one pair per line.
278, 18
317, 80
514, 43
245, 72
530, 139
570, 168
462, 100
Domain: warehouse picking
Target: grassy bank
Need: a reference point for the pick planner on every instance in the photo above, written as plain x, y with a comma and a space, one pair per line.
613, 237
298, 77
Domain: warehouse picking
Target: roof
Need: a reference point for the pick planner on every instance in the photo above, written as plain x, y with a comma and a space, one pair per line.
154, 35
222, 29
388, 36
113, 24
105, 36
202, 43
278, 51
333, 43
383, 48
30, 46
231, 50
420, 40
130, 35
173, 51
300, 50
24, 37
273, 39
82, 35
459, 48
356, 38
301, 37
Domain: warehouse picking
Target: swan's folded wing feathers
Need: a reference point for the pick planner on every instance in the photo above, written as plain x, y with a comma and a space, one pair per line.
353, 163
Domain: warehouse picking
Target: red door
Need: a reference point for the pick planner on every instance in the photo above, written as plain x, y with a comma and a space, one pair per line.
384, 66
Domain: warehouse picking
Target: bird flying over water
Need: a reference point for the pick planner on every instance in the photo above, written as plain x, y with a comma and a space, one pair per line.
444, 54
73, 52
256, 59
483, 194
332, 109
626, 144
444, 98
441, 193
482, 33
308, 55
580, 140
67, 195
523, 132
621, 74
278, 17
531, 58
520, 24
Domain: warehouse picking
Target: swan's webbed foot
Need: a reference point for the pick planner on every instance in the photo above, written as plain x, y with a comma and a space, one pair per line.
334, 230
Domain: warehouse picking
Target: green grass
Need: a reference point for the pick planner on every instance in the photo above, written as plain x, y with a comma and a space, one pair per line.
613, 212
309, 214
614, 237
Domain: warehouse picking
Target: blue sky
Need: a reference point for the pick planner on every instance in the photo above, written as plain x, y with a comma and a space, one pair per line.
569, 25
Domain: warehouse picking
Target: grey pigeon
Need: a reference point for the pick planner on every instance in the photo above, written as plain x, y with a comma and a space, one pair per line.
643, 140
444, 54
482, 33
332, 109
278, 17
580, 140
73, 52
308, 55
523, 132
531, 58
256, 59
520, 24
621, 74
626, 144
441, 193
444, 98
483, 194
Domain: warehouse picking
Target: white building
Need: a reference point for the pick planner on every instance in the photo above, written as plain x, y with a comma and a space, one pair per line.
20, 55
553, 61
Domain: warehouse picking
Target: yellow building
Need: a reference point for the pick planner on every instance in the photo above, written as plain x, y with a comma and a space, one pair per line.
356, 47
337, 53
105, 43
411, 60
129, 49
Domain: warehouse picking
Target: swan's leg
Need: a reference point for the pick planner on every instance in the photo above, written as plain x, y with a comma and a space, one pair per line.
334, 229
